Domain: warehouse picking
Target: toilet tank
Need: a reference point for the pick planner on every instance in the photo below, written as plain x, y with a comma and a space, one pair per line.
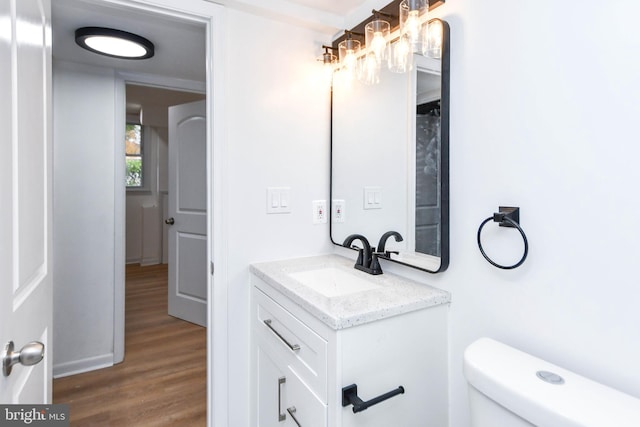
510, 388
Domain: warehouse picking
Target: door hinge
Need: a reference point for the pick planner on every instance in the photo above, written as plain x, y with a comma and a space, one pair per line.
212, 269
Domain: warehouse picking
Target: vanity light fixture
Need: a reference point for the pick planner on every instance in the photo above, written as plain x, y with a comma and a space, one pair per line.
392, 37
432, 43
376, 34
329, 61
114, 43
328, 58
348, 50
412, 15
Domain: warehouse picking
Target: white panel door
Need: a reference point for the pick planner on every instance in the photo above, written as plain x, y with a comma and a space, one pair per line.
25, 194
188, 212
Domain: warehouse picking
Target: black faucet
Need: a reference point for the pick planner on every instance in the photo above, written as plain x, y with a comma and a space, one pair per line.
383, 242
367, 258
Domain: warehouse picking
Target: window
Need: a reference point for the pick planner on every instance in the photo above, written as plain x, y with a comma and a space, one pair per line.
133, 150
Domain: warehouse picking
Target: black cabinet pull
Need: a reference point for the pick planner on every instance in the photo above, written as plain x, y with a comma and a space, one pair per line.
350, 397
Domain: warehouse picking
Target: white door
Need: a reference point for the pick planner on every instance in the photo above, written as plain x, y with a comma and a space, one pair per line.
188, 212
25, 195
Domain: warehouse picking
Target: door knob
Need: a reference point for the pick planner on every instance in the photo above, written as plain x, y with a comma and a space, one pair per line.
30, 354
169, 221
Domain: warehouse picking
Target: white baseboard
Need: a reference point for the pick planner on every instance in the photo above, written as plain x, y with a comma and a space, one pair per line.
83, 365
150, 261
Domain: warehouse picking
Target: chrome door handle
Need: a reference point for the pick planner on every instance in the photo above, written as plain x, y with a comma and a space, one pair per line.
30, 354
281, 415
292, 411
293, 347
169, 221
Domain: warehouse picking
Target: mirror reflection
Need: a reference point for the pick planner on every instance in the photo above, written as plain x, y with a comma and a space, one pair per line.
389, 162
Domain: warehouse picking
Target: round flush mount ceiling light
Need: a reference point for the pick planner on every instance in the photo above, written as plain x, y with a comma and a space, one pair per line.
114, 43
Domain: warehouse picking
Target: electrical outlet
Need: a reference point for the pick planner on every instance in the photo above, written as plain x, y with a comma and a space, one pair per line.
339, 210
319, 211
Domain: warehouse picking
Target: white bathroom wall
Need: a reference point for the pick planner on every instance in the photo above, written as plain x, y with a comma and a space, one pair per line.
278, 135
277, 113
83, 227
544, 108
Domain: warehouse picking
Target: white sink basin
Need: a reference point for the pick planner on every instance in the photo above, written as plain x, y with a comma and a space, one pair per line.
333, 282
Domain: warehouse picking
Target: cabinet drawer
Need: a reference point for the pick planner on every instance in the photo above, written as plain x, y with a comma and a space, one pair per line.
301, 348
303, 405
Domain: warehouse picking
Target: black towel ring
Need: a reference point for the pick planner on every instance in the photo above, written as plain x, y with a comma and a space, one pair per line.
507, 217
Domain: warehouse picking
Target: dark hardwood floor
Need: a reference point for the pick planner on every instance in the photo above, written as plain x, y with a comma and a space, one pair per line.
162, 381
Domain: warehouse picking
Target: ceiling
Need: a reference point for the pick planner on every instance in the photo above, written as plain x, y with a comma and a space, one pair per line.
180, 45
338, 7
154, 102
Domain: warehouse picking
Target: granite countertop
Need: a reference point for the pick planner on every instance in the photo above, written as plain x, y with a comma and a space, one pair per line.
393, 295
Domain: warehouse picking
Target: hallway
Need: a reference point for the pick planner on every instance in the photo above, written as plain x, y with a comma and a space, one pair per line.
162, 381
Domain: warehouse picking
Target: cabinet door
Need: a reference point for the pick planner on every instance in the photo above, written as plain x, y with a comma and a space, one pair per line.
283, 399
271, 399
303, 405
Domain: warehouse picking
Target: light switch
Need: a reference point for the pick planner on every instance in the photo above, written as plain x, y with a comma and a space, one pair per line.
278, 200
372, 198
284, 198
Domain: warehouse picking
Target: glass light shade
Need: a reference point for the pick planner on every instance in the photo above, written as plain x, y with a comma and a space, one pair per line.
412, 13
376, 34
369, 69
348, 50
329, 62
329, 58
115, 47
400, 55
432, 42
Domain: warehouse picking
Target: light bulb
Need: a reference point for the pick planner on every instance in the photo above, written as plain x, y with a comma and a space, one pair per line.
378, 45
329, 61
376, 36
412, 26
412, 14
348, 50
350, 59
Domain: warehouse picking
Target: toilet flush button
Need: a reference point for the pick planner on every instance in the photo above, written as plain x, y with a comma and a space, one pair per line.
550, 377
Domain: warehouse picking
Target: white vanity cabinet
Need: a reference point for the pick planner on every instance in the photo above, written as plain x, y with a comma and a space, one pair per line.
300, 364
290, 367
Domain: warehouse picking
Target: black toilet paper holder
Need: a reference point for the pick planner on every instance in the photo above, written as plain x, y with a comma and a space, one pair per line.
350, 397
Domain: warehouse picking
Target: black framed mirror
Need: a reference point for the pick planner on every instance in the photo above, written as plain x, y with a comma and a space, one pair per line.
390, 160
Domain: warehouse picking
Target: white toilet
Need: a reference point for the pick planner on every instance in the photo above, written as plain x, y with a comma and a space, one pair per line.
509, 388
